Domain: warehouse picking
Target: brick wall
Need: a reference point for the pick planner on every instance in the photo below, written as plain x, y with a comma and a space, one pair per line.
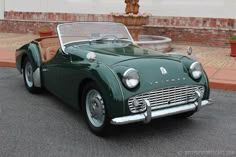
197, 36
195, 30
197, 22
29, 22
45, 16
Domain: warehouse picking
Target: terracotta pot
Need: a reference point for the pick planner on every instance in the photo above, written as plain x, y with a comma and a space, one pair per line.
45, 33
233, 48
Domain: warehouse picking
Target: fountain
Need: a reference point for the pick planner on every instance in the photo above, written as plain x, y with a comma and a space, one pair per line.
132, 18
157, 43
135, 21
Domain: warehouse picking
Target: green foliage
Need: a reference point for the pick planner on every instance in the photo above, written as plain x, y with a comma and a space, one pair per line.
232, 38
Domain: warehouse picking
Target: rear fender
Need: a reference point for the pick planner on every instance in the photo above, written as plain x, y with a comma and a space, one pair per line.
32, 52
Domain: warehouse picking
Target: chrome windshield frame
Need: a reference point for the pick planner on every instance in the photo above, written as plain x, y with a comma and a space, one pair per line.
60, 36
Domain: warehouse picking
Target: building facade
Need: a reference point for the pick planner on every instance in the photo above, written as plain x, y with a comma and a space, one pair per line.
183, 8
208, 22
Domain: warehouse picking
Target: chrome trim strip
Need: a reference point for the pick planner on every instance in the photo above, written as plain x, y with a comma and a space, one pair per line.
37, 78
128, 70
60, 39
159, 113
130, 36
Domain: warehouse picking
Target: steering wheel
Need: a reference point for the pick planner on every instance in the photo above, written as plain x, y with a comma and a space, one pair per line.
110, 36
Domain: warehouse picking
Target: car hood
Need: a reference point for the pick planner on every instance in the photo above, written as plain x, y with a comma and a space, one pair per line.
113, 54
149, 63
133, 56
156, 70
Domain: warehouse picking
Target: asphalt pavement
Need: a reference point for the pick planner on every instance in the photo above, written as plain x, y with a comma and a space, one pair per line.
42, 125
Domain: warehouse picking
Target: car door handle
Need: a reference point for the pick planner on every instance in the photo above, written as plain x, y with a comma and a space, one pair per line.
44, 70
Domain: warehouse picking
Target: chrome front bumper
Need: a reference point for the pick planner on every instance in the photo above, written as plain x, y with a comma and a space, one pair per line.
148, 114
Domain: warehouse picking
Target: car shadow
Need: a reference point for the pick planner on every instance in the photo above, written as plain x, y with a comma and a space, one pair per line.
161, 127
59, 104
158, 127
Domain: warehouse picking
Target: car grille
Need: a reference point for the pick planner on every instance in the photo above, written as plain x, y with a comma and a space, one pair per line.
165, 97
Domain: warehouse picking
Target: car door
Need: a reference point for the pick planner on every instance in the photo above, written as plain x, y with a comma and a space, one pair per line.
61, 76
54, 73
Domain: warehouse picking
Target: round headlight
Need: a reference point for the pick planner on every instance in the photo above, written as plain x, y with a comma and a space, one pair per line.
196, 70
131, 78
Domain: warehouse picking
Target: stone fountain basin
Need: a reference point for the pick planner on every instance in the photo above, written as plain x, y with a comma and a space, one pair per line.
157, 43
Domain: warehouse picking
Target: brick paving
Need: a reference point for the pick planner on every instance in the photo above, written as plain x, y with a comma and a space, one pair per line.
217, 62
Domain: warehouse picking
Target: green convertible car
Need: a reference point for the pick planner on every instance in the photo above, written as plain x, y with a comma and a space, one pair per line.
98, 68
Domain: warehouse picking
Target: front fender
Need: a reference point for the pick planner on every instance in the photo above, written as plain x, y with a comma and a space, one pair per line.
110, 87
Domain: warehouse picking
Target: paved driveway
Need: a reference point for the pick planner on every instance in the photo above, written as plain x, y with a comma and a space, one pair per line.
42, 125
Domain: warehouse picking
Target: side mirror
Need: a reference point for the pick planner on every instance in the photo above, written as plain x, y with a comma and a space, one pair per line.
91, 56
189, 51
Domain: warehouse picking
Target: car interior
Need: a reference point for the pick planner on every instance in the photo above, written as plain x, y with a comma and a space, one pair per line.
48, 47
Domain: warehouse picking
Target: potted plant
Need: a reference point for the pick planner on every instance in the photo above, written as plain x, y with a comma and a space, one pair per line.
232, 41
45, 31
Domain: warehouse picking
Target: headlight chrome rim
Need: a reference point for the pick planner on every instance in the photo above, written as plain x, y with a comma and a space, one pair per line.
128, 80
196, 70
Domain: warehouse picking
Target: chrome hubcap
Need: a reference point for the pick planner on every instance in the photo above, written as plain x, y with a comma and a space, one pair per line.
95, 108
29, 74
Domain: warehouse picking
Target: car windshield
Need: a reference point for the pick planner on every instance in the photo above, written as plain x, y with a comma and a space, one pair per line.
91, 31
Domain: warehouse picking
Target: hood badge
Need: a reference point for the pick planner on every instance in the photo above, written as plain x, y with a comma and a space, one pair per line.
163, 71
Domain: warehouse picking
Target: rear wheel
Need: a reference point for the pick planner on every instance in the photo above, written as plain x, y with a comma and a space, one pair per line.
28, 76
95, 109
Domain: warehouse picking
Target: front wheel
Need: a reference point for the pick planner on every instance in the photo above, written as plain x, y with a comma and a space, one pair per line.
28, 76
95, 109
